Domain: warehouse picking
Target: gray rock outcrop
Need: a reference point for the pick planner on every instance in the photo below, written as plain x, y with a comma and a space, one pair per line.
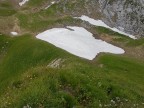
127, 15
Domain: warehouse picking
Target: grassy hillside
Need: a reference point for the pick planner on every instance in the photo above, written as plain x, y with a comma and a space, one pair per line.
36, 74
28, 79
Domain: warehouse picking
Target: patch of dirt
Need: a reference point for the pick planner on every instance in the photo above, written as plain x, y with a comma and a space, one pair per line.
137, 52
16, 27
6, 24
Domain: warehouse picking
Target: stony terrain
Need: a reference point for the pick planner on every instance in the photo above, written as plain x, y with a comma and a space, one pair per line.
126, 15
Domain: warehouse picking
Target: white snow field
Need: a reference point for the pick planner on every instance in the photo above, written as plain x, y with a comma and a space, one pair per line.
101, 23
78, 41
23, 2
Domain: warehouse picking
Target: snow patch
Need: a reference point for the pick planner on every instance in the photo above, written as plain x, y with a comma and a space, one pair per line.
50, 4
14, 33
23, 2
53, 2
101, 23
78, 41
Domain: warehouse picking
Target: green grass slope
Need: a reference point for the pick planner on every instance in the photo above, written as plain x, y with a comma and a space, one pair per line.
26, 79
6, 9
36, 74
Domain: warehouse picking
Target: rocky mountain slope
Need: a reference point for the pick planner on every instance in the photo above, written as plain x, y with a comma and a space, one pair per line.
127, 15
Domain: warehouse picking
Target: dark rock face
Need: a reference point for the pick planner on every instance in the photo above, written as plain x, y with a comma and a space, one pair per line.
127, 15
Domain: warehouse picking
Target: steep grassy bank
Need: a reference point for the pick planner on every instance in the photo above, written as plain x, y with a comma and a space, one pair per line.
27, 79
36, 74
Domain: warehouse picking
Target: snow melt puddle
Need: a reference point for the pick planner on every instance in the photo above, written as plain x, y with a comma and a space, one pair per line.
78, 41
50, 5
101, 23
23, 2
